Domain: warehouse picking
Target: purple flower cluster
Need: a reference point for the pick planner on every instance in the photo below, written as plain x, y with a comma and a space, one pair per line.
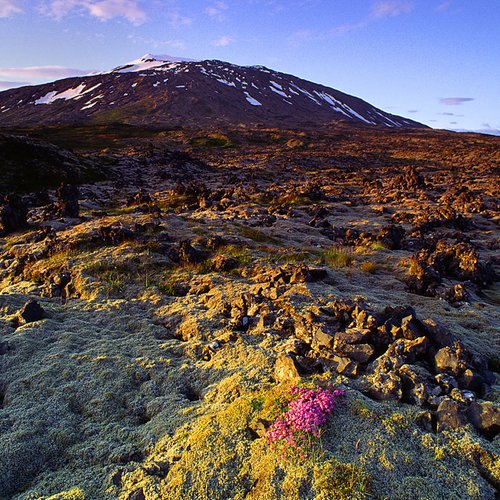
307, 413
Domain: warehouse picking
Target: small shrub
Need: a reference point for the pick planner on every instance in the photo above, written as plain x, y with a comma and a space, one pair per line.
378, 246
368, 267
212, 141
338, 257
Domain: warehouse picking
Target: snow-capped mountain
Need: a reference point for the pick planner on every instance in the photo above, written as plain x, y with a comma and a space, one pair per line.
170, 91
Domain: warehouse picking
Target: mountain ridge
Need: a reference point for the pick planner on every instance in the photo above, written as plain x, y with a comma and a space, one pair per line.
184, 92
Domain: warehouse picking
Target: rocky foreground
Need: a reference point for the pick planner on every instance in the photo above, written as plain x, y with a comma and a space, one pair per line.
151, 322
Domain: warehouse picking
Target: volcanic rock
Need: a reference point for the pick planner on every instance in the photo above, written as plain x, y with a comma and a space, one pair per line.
32, 311
485, 416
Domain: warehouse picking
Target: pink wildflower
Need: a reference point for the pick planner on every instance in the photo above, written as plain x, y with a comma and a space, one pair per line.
306, 414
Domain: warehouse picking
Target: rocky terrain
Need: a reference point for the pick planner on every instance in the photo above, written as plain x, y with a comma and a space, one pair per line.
152, 321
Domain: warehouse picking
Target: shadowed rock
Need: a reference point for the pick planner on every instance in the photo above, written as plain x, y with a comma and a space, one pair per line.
32, 311
13, 213
67, 204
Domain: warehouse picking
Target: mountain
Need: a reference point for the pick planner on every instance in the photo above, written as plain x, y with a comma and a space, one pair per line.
168, 91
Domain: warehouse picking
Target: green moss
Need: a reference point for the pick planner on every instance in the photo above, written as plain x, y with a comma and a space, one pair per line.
335, 479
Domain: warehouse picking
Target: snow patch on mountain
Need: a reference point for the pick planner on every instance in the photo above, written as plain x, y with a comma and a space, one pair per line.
252, 100
73, 93
150, 62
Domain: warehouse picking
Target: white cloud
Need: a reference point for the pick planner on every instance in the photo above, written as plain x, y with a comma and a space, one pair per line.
101, 9
390, 8
107, 9
223, 41
217, 10
9, 7
41, 72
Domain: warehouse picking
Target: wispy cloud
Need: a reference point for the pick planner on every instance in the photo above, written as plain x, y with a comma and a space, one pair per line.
223, 41
380, 9
176, 19
156, 44
9, 7
390, 8
455, 101
217, 10
442, 6
101, 9
41, 72
413, 111
12, 85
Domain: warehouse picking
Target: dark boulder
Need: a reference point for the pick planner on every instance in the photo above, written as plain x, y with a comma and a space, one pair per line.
189, 254
32, 311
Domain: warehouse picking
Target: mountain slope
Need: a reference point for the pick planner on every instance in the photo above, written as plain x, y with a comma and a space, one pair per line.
170, 91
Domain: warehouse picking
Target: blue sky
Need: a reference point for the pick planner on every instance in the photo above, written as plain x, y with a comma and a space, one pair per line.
435, 61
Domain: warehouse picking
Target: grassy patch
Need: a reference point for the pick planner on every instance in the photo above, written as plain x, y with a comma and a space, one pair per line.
342, 480
243, 254
377, 246
338, 257
368, 267
113, 277
256, 235
58, 261
212, 141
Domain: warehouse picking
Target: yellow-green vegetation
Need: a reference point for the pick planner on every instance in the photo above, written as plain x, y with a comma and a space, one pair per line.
256, 235
338, 257
296, 200
134, 389
377, 246
231, 462
242, 253
72, 494
359, 458
113, 276
213, 141
368, 267
292, 256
